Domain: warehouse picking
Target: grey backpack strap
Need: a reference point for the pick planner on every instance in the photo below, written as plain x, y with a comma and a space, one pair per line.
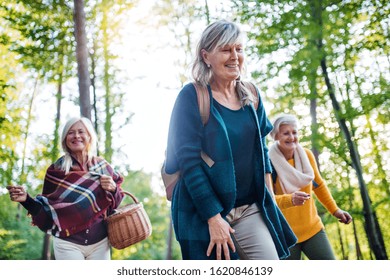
203, 102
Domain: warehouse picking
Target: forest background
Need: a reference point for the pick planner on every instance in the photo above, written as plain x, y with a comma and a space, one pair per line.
326, 61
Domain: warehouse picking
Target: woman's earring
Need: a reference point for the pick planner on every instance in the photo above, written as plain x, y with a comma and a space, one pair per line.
208, 65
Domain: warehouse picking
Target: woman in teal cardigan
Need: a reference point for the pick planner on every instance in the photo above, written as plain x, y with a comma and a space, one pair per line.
223, 209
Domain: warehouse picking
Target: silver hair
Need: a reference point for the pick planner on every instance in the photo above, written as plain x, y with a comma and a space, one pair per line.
91, 146
281, 120
218, 34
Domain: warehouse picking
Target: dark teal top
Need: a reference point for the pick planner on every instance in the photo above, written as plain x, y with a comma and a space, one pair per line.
205, 190
241, 128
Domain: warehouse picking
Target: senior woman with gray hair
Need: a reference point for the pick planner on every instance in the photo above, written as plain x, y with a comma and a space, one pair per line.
221, 207
297, 178
79, 190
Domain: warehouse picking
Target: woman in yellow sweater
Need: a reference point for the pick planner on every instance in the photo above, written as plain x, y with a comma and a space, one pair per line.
297, 177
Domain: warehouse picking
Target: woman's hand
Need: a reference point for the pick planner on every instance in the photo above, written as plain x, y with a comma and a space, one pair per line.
220, 238
107, 183
17, 193
299, 198
343, 216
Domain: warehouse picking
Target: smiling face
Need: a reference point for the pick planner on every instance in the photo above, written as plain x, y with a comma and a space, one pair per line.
226, 62
77, 138
288, 139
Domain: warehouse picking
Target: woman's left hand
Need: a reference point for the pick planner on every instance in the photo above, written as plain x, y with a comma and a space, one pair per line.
343, 216
107, 183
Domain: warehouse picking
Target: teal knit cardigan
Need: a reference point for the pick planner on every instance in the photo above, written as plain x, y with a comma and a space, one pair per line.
204, 191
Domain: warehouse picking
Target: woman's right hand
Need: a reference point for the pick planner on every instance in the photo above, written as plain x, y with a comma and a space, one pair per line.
299, 198
17, 193
220, 238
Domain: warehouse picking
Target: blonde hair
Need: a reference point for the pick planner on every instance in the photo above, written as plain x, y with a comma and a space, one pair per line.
281, 120
218, 34
91, 146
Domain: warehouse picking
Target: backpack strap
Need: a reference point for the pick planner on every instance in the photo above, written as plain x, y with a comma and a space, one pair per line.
253, 90
203, 101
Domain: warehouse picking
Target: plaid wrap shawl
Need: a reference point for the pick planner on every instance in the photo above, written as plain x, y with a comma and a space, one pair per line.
74, 200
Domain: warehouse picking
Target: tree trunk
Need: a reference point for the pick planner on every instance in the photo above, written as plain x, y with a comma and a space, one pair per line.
23, 176
82, 58
313, 114
343, 253
170, 239
106, 81
207, 12
46, 251
373, 231
94, 105
56, 142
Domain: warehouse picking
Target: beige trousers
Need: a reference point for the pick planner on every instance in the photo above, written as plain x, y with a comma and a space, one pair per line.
65, 250
251, 238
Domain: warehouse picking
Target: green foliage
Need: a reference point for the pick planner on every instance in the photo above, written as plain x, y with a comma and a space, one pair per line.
11, 121
18, 239
42, 35
288, 42
38, 36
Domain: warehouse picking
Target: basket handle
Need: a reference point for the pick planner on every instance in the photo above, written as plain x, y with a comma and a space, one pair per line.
131, 195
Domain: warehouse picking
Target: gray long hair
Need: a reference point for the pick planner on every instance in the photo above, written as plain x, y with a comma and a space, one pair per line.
91, 146
218, 34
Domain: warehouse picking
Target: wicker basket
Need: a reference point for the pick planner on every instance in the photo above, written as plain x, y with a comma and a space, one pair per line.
128, 225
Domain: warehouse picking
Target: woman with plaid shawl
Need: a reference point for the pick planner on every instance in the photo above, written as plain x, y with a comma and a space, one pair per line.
79, 190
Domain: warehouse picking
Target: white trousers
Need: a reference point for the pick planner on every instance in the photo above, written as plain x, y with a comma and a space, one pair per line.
65, 250
251, 237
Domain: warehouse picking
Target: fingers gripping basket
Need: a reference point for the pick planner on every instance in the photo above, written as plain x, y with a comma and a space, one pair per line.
128, 225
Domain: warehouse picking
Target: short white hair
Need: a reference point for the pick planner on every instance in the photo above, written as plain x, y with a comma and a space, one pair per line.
281, 120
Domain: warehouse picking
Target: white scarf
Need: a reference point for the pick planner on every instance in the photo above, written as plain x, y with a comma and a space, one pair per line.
291, 179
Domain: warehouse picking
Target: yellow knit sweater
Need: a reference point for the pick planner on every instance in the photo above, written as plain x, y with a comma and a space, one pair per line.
304, 219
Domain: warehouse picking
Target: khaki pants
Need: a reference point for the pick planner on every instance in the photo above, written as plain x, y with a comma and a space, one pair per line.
251, 238
65, 250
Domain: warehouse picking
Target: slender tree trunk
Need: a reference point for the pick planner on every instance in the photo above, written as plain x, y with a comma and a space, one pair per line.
170, 239
373, 231
313, 114
207, 12
94, 105
82, 58
56, 142
23, 176
341, 242
359, 255
106, 80
46, 251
